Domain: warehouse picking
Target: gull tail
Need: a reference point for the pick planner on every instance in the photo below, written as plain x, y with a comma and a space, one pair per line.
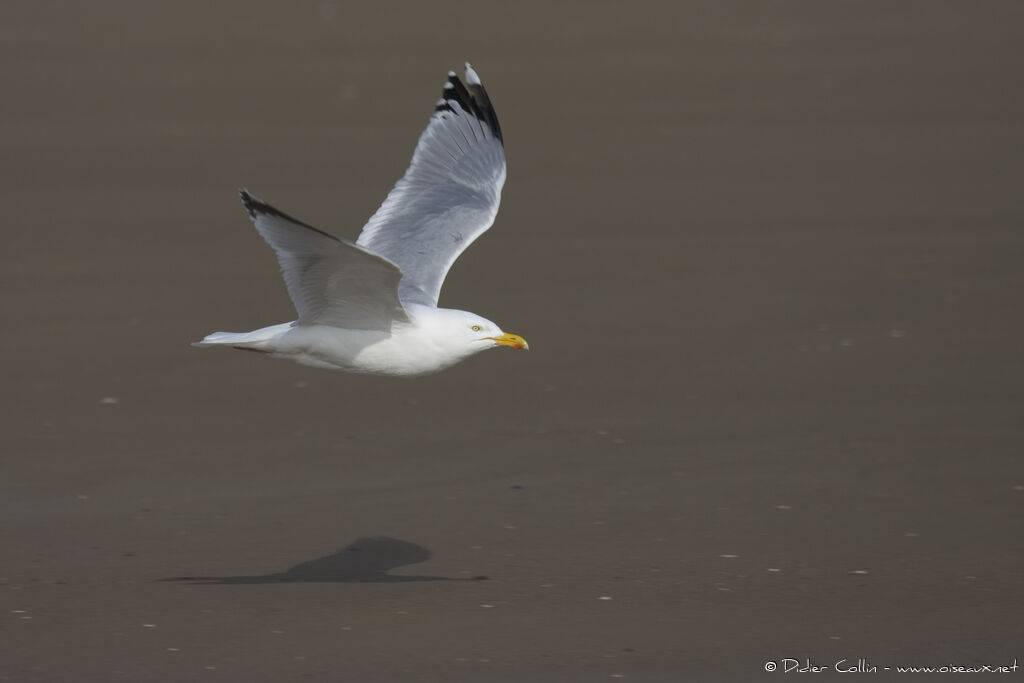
257, 340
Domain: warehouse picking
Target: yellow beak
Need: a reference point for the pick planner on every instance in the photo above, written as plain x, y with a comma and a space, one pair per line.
513, 340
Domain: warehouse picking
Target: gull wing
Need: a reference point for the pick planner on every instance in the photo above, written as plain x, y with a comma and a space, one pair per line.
330, 281
448, 196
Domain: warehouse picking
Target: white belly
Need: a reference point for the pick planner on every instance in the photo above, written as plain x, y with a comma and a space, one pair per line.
405, 352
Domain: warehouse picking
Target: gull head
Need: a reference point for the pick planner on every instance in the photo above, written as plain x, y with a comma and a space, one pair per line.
463, 333
477, 333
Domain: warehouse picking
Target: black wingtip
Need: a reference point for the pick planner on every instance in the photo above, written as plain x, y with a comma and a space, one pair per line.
256, 207
252, 205
471, 98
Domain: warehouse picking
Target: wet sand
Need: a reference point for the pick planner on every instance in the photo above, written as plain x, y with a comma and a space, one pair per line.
768, 259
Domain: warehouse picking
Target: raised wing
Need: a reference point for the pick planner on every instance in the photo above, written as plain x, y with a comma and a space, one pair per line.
449, 195
330, 281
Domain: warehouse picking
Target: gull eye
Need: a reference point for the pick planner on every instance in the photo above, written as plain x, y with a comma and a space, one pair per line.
476, 328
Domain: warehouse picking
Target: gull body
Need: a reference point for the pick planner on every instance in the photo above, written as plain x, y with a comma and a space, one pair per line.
371, 306
436, 338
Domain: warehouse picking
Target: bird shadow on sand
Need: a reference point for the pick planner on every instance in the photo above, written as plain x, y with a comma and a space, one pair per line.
367, 560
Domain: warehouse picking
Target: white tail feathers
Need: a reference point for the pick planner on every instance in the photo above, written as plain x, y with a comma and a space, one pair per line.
257, 340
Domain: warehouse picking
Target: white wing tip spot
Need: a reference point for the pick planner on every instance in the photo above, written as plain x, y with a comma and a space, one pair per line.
471, 76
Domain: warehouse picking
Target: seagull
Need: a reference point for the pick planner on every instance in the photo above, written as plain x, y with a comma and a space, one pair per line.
371, 306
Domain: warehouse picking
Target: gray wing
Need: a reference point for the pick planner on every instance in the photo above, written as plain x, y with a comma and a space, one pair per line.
449, 195
331, 282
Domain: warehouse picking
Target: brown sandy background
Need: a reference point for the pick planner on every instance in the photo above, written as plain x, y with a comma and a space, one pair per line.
768, 256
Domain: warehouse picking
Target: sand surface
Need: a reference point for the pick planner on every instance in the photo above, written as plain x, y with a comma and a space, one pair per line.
769, 257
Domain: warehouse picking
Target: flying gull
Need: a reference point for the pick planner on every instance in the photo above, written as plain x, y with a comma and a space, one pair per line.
371, 306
